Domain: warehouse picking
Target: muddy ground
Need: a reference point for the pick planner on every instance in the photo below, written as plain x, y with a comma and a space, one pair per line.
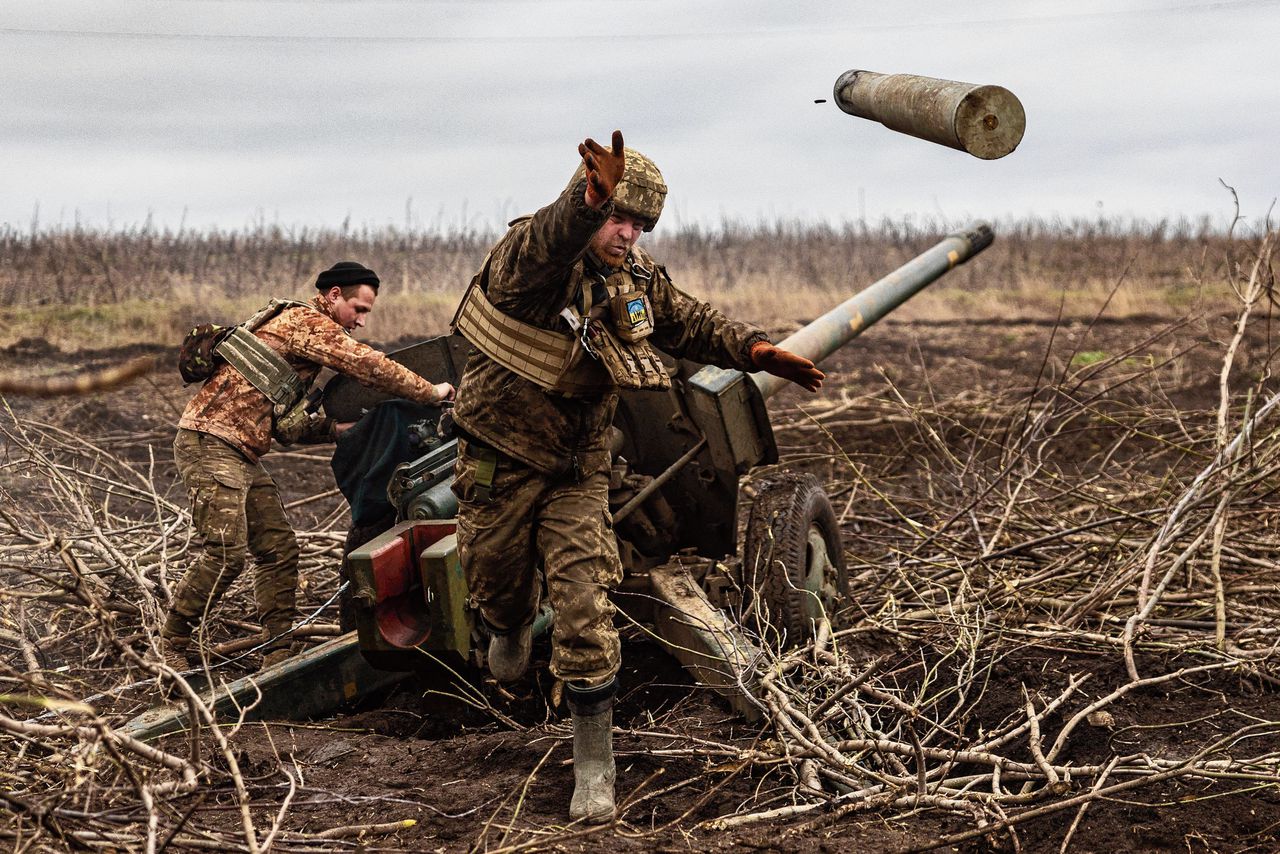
475, 782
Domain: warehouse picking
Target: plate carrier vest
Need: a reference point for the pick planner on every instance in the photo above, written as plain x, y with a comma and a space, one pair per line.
593, 359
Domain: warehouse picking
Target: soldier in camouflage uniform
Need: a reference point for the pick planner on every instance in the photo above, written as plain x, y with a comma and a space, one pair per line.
228, 425
533, 467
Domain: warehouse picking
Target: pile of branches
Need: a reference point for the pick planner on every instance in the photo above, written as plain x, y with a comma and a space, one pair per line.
90, 549
1091, 515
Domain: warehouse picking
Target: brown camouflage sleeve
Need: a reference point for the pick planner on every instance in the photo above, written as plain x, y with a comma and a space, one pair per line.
689, 328
533, 258
318, 339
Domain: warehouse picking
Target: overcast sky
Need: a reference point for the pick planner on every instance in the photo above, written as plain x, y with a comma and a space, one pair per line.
307, 112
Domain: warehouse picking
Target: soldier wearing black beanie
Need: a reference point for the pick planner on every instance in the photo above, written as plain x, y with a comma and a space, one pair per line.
231, 422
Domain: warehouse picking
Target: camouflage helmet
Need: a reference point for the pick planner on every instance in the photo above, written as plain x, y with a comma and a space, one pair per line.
641, 191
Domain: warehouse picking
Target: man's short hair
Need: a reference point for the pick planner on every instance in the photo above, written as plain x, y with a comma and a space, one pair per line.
349, 291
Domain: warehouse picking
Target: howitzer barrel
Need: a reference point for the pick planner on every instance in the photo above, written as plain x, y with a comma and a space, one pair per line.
846, 321
986, 121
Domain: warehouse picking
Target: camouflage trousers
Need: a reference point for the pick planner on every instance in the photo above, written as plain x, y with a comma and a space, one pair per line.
531, 519
235, 511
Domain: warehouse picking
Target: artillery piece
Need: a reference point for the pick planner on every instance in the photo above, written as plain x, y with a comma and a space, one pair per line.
715, 553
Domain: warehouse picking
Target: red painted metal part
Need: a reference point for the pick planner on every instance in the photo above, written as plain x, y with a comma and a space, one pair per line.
400, 607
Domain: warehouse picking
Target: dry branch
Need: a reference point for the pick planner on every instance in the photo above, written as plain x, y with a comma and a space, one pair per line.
1088, 516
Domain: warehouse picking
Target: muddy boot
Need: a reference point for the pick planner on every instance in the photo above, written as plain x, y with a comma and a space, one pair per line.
173, 651
593, 768
279, 640
175, 641
279, 655
509, 653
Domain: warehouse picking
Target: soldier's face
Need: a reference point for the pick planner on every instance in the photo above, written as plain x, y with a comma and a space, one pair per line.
616, 237
352, 312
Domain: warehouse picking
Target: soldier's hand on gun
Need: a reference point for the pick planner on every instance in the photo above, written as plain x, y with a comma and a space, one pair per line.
604, 169
787, 365
446, 391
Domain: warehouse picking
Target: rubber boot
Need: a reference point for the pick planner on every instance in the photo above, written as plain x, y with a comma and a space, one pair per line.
509, 653
593, 768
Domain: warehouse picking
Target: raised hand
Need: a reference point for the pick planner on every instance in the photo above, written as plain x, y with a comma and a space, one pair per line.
604, 168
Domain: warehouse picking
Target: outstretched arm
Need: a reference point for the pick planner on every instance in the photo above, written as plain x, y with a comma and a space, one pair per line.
534, 256
316, 338
689, 328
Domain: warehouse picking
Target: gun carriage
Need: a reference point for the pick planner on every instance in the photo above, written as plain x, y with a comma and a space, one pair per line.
719, 549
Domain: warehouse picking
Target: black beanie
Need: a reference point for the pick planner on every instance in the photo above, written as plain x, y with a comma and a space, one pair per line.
347, 273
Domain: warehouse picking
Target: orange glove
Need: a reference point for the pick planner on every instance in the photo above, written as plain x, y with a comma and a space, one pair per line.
604, 169
789, 366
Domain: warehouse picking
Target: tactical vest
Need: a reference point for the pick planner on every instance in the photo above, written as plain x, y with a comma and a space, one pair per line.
265, 369
604, 350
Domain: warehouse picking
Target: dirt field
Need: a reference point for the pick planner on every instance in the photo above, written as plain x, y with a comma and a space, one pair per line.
1000, 486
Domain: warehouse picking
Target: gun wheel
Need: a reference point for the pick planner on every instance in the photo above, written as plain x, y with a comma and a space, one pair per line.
793, 558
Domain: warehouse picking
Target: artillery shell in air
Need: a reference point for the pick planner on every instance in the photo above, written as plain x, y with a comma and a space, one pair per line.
986, 121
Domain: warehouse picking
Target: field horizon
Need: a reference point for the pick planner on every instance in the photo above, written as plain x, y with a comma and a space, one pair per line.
81, 287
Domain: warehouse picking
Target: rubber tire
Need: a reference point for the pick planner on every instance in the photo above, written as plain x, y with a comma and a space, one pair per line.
778, 555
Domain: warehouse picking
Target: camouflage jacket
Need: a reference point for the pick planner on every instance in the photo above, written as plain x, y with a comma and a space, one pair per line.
233, 410
535, 271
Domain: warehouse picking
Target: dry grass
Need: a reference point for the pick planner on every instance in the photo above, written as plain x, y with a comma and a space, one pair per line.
1110, 512
1109, 509
79, 287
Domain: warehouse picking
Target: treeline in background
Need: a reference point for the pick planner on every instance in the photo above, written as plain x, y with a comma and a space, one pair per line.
80, 287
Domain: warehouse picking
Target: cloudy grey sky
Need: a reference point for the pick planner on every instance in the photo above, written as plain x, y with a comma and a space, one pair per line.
306, 112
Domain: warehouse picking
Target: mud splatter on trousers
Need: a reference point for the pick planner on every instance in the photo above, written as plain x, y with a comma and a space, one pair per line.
523, 519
